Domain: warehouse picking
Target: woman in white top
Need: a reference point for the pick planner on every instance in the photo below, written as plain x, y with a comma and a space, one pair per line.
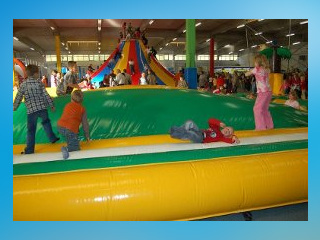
143, 80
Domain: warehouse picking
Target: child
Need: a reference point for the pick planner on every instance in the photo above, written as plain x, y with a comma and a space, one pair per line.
36, 100
143, 80
131, 65
262, 116
182, 83
73, 115
53, 79
292, 101
189, 130
69, 81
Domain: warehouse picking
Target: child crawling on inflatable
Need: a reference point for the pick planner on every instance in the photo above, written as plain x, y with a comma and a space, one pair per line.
189, 130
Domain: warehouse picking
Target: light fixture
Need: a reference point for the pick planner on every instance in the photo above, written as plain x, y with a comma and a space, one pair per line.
99, 48
184, 30
52, 28
228, 45
160, 48
295, 43
208, 40
69, 52
254, 46
290, 34
99, 52
62, 44
15, 38
260, 20
67, 48
198, 24
151, 21
99, 24
240, 26
174, 39
258, 33
230, 53
99, 43
304, 22
268, 42
240, 50
167, 44
32, 49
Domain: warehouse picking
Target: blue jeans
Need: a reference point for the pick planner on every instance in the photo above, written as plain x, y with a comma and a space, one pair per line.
189, 130
71, 138
32, 127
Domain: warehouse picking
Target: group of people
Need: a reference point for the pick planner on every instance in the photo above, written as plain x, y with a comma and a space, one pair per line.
295, 81
129, 32
37, 100
227, 83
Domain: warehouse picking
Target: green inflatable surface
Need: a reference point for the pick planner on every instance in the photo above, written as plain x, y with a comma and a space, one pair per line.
117, 113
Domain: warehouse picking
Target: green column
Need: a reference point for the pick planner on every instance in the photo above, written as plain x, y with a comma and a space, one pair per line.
191, 43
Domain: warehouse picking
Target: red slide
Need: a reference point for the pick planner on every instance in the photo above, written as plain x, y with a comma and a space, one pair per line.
133, 55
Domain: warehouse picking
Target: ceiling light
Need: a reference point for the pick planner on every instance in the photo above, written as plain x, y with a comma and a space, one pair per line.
151, 21
240, 26
15, 38
99, 52
69, 52
258, 33
99, 43
62, 44
52, 28
99, 24
304, 22
230, 52
32, 49
208, 40
184, 30
290, 34
67, 48
240, 50
167, 44
198, 24
254, 46
174, 39
295, 43
268, 42
228, 45
99, 48
260, 20
160, 48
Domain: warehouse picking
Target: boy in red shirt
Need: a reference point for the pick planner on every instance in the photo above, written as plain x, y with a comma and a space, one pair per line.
189, 130
73, 115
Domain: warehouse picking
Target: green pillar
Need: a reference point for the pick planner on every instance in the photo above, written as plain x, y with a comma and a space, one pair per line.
191, 43
190, 72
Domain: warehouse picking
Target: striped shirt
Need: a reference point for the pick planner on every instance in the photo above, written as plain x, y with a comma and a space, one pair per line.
35, 95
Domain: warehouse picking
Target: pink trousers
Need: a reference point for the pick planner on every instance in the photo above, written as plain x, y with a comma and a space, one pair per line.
262, 116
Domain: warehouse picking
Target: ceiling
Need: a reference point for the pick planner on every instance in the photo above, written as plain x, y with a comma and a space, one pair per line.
81, 36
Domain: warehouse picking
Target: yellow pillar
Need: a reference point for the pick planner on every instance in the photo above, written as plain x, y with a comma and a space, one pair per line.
276, 80
57, 43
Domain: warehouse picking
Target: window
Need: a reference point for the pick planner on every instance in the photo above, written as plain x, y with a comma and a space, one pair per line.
180, 57
228, 57
203, 57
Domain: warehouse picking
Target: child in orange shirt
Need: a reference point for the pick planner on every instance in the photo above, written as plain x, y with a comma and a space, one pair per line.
73, 115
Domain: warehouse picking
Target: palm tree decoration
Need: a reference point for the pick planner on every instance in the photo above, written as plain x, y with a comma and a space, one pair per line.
276, 53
